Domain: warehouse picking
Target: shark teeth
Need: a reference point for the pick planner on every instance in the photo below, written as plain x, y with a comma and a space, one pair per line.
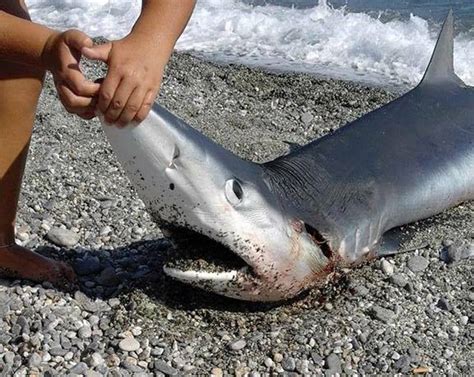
193, 276
238, 284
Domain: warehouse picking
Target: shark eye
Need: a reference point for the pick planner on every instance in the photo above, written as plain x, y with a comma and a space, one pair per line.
233, 191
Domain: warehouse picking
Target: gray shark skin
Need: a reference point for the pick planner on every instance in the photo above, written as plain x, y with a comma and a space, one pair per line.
295, 220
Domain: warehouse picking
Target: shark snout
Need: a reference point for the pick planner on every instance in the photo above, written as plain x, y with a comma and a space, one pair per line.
190, 183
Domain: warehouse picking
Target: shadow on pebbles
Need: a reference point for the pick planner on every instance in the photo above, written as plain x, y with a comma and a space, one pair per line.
410, 313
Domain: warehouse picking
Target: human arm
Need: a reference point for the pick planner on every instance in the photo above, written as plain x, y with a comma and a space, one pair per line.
25, 42
136, 62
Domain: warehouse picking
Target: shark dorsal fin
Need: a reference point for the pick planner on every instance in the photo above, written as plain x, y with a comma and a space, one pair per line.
441, 67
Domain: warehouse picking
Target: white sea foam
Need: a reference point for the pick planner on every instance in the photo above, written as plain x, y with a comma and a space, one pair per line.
320, 39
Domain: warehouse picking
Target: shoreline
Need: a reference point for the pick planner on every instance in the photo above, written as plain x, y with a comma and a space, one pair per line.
384, 317
333, 74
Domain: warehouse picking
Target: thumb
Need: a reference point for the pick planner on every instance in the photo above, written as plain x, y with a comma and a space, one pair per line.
98, 52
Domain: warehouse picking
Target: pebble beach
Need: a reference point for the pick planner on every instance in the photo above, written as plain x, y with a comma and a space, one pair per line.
412, 313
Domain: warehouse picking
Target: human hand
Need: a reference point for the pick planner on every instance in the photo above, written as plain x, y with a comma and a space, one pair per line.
61, 56
136, 64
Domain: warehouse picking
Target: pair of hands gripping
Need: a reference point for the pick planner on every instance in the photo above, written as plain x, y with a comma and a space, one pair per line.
135, 70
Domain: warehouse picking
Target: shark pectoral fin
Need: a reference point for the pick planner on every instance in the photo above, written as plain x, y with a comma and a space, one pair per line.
441, 66
393, 243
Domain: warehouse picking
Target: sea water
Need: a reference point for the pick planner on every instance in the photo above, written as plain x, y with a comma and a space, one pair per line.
376, 41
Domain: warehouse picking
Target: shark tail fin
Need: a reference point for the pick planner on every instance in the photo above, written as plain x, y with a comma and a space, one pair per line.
441, 67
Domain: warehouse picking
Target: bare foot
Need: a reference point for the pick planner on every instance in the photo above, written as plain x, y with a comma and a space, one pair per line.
21, 263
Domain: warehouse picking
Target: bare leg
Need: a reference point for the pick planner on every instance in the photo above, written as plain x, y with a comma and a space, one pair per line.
20, 87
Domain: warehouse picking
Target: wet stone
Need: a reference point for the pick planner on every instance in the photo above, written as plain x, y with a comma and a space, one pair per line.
87, 266
444, 304
108, 277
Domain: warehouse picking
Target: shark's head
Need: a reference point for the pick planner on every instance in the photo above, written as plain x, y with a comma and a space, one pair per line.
188, 182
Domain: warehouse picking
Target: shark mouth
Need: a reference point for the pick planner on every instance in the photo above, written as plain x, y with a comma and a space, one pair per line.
207, 264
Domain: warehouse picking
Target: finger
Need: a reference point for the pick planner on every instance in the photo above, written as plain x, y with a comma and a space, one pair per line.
146, 105
87, 115
107, 91
72, 102
71, 74
120, 99
98, 52
75, 80
132, 106
77, 39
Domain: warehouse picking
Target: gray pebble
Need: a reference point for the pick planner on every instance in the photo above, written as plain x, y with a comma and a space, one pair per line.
237, 345
57, 351
417, 263
403, 364
63, 237
268, 362
387, 267
95, 359
79, 368
307, 118
93, 373
129, 344
288, 364
34, 360
382, 314
84, 332
161, 366
317, 359
9, 357
360, 290
399, 280
333, 363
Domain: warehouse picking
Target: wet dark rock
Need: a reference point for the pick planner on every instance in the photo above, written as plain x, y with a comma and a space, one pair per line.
87, 266
108, 277
444, 304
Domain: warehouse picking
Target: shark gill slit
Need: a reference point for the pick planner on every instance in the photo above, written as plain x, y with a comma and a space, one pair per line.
319, 240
